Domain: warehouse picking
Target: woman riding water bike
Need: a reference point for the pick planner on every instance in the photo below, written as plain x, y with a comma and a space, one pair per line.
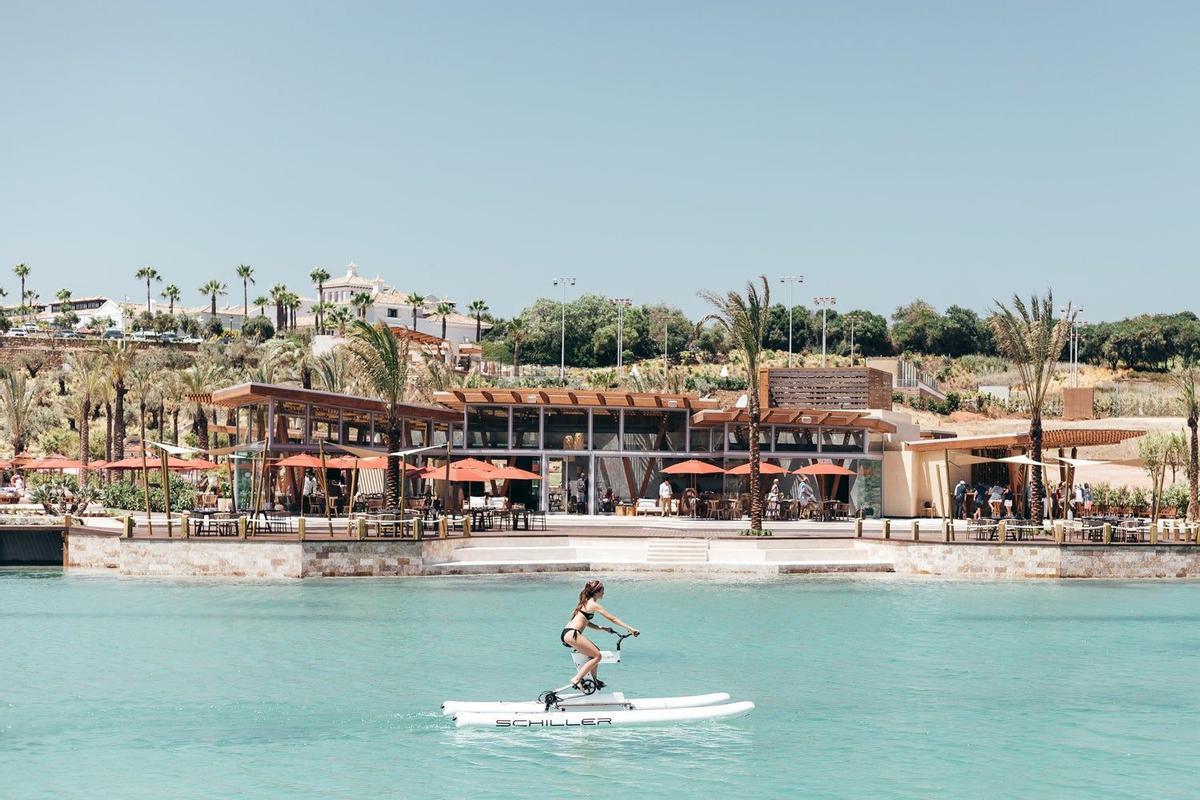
572, 635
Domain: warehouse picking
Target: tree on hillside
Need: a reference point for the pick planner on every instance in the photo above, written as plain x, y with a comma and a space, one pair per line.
212, 288
744, 318
171, 294
87, 384
417, 301
961, 332
261, 301
1185, 379
361, 302
1032, 339
443, 311
22, 272
148, 274
18, 400
516, 336
246, 273
279, 297
870, 333
915, 328
318, 276
478, 308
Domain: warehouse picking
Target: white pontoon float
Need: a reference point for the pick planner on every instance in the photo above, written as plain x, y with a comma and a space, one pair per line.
561, 708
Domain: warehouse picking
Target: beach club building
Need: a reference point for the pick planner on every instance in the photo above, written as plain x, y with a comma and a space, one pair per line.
590, 445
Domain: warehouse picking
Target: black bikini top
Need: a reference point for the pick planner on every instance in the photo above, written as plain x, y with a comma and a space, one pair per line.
587, 615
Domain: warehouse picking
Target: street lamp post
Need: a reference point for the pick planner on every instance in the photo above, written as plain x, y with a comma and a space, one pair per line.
824, 303
562, 353
621, 303
791, 281
853, 322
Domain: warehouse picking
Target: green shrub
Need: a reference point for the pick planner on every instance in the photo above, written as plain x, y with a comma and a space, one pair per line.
259, 328
129, 496
1176, 496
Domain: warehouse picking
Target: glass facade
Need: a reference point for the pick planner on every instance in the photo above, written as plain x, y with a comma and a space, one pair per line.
606, 429
487, 427
654, 430
565, 428
527, 422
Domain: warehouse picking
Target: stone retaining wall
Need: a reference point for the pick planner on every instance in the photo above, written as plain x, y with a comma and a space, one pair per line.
360, 559
228, 558
93, 550
1037, 560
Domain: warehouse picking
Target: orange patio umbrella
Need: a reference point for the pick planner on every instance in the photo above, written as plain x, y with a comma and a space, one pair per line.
302, 460
54, 461
765, 468
513, 474
173, 463
473, 463
823, 468
693, 467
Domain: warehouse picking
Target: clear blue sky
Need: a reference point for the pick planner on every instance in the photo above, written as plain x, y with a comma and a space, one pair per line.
954, 151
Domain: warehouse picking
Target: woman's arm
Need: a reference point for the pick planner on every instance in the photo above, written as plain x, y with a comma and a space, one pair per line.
611, 618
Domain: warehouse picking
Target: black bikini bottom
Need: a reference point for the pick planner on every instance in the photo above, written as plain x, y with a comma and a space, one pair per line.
563, 636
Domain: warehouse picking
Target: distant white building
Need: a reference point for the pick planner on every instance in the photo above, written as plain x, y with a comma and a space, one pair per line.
391, 307
88, 309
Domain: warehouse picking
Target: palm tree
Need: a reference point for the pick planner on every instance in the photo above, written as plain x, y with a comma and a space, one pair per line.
444, 309
148, 274
340, 316
384, 361
362, 301
171, 294
293, 305
319, 275
261, 301
196, 383
1032, 339
416, 300
478, 309
1186, 380
279, 296
22, 272
87, 386
118, 361
744, 319
18, 398
212, 288
246, 273
516, 332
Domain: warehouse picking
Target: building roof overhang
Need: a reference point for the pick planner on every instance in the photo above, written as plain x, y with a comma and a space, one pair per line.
244, 394
799, 417
459, 398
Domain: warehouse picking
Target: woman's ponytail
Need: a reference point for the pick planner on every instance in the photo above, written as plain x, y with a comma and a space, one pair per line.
590, 590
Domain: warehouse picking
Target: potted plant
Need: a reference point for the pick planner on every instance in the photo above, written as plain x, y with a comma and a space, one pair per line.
1121, 499
1102, 497
1141, 502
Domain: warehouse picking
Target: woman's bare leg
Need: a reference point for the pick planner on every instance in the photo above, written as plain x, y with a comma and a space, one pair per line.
581, 643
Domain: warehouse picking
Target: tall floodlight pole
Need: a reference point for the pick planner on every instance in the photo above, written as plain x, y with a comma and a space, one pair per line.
824, 303
621, 303
853, 321
791, 281
562, 353
1073, 341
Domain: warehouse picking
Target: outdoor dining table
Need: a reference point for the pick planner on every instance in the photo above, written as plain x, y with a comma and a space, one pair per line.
519, 518
221, 523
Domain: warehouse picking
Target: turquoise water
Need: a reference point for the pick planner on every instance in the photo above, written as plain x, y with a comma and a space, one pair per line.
866, 688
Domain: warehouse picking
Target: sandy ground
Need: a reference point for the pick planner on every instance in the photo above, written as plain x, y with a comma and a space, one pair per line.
966, 424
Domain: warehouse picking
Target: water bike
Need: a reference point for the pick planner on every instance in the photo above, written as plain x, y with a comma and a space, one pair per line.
586, 706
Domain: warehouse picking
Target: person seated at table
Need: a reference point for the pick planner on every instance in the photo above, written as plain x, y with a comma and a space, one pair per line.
689, 502
308, 491
608, 503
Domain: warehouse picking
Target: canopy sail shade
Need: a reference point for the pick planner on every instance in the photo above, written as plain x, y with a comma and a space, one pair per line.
765, 468
1024, 460
693, 467
823, 468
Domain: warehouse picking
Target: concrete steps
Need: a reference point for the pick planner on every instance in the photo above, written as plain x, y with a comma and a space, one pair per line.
677, 551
